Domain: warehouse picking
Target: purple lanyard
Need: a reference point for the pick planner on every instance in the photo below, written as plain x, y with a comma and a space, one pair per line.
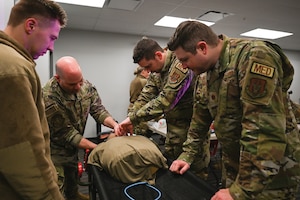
183, 89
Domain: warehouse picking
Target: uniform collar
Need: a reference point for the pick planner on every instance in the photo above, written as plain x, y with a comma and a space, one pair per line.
224, 55
9, 41
60, 91
170, 56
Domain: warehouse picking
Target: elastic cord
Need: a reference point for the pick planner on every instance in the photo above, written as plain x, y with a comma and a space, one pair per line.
142, 183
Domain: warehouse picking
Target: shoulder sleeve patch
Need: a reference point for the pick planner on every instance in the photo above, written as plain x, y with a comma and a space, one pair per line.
262, 70
259, 89
256, 88
174, 77
57, 121
177, 74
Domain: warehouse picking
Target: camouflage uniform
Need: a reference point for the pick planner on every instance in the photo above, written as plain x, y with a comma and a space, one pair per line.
246, 95
156, 99
136, 87
67, 116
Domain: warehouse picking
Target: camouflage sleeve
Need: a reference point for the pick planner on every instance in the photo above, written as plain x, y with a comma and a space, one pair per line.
149, 92
136, 88
63, 133
198, 131
164, 98
97, 109
263, 139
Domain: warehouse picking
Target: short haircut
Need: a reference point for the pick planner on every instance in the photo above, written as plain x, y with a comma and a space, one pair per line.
145, 48
189, 33
46, 9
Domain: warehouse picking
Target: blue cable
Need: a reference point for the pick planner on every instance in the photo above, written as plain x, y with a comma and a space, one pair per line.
141, 183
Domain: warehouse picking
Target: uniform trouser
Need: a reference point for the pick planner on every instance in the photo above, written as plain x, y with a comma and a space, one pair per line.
68, 180
173, 148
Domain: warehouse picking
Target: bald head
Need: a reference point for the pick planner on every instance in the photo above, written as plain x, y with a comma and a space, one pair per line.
67, 66
68, 74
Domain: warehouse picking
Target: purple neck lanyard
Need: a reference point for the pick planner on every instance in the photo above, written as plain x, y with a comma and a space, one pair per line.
183, 89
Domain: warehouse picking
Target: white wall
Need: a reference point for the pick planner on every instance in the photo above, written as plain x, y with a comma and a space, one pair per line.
43, 68
106, 61
5, 7
294, 57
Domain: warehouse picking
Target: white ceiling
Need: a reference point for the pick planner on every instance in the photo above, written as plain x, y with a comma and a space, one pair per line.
282, 15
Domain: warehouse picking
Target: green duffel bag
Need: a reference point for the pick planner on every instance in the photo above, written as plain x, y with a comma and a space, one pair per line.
129, 159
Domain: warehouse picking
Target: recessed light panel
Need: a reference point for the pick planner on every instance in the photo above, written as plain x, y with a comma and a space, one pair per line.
173, 22
266, 34
89, 3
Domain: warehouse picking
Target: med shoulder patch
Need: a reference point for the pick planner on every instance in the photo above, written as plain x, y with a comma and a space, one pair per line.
262, 70
259, 82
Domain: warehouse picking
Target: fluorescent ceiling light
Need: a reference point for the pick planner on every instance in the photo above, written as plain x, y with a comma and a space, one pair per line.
173, 22
266, 34
90, 3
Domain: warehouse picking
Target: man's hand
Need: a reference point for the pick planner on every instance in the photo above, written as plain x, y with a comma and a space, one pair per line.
117, 129
179, 166
125, 127
111, 123
222, 194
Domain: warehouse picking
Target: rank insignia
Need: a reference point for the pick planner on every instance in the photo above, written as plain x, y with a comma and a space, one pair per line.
256, 88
